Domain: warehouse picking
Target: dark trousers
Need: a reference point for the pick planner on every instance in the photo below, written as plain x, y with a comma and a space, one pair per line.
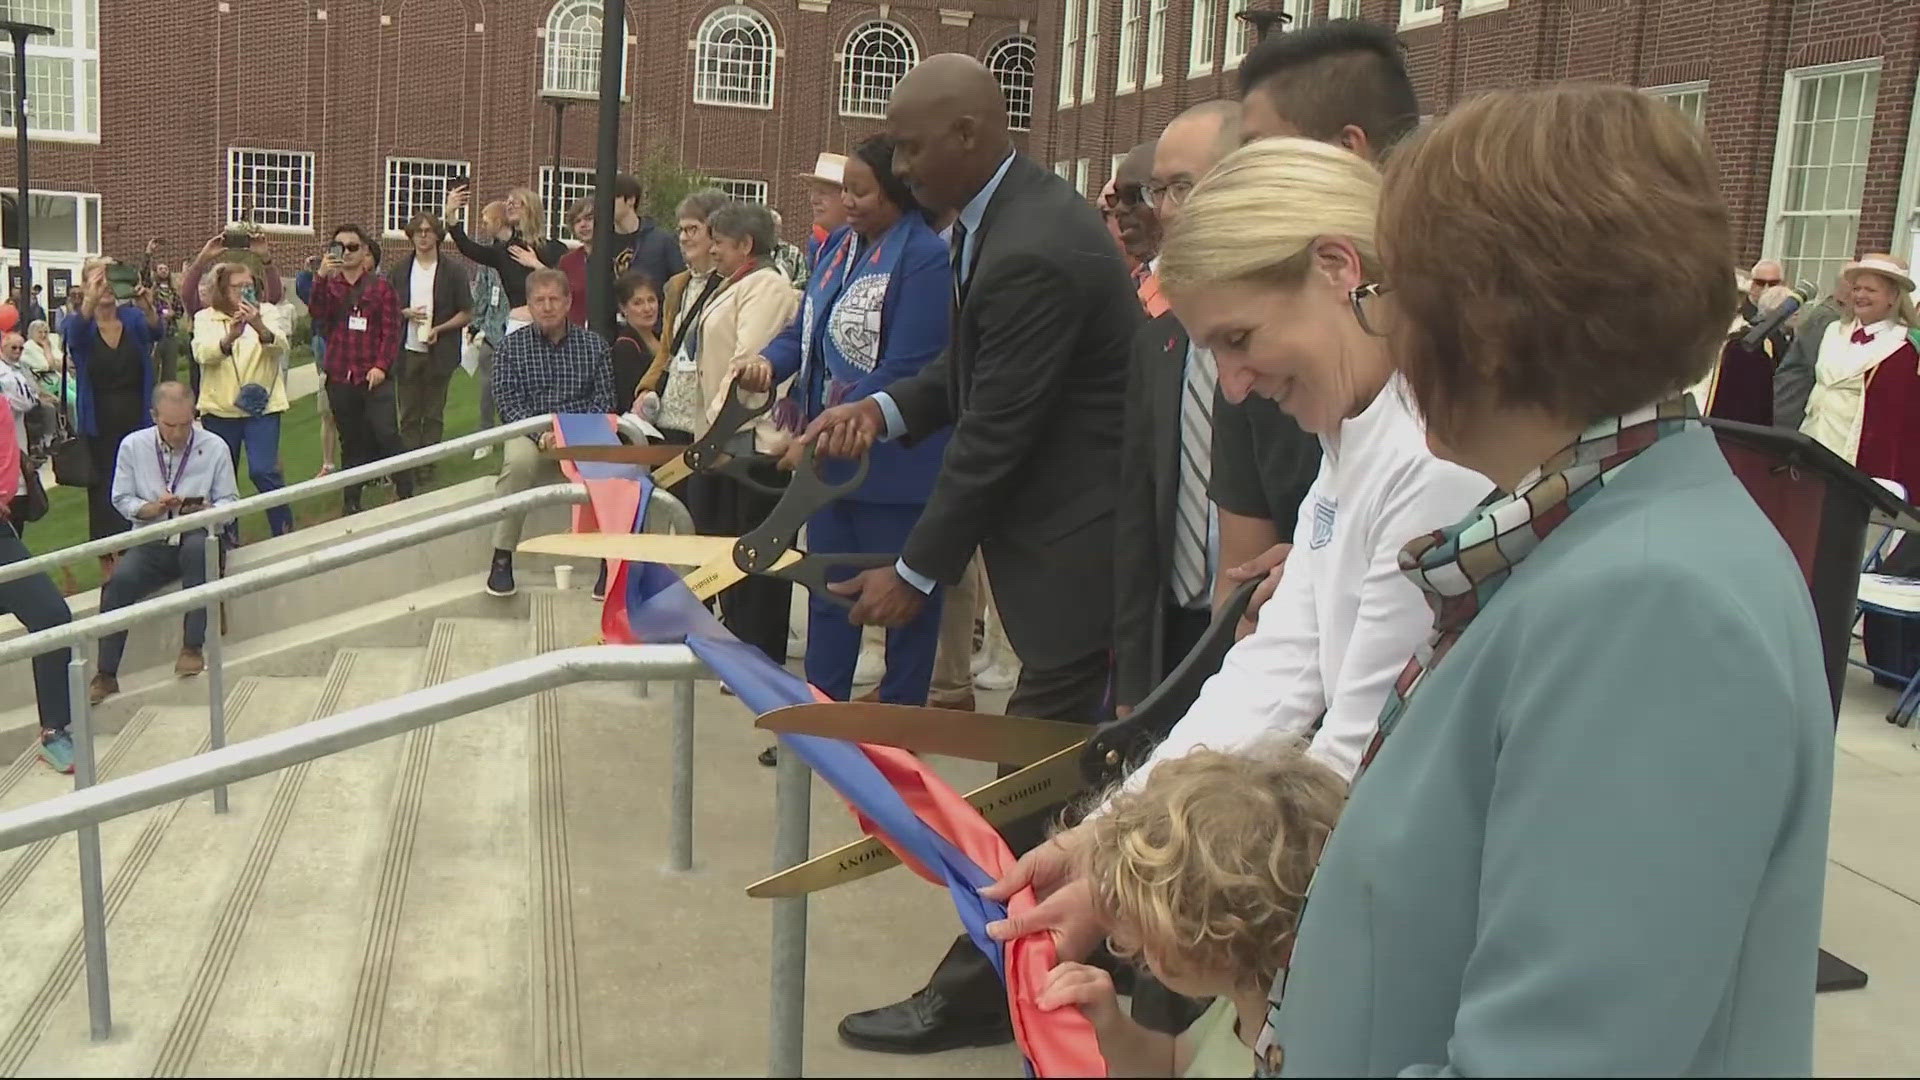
259, 436
140, 573
423, 399
102, 519
846, 527
369, 426
37, 603
757, 609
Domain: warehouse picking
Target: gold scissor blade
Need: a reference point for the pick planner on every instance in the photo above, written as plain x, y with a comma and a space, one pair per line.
720, 573
1036, 787
651, 456
1011, 740
672, 549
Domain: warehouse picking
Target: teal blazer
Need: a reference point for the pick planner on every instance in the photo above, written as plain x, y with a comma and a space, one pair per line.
1595, 844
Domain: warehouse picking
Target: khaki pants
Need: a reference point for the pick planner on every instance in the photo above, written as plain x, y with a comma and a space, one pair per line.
953, 663
423, 398
525, 467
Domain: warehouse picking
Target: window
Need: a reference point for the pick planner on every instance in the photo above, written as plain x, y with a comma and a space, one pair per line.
419, 186
748, 191
1156, 41
877, 56
1069, 51
1126, 75
1343, 9
65, 222
1204, 45
574, 184
1113, 172
572, 56
1820, 168
1239, 32
1419, 12
271, 188
1063, 170
1011, 62
1090, 53
734, 59
1689, 98
63, 71
1480, 7
1080, 176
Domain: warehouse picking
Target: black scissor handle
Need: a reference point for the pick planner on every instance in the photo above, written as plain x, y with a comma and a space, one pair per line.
807, 492
704, 454
811, 571
743, 466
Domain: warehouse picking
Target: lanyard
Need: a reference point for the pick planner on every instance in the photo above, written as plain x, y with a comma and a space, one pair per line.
180, 467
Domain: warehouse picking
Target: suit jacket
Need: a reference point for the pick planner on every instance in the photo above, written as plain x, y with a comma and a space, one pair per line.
1793, 376
452, 294
1149, 489
1034, 387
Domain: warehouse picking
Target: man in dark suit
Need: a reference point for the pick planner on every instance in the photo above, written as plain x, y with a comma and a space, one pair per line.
1033, 385
435, 303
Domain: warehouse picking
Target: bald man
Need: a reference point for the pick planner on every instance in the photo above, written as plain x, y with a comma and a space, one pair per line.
1032, 385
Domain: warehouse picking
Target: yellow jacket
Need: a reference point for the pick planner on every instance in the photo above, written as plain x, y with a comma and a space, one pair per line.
222, 376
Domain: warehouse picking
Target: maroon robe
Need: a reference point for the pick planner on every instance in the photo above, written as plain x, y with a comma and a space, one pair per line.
1890, 426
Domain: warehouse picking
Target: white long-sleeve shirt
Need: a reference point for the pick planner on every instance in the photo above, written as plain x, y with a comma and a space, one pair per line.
1344, 620
138, 476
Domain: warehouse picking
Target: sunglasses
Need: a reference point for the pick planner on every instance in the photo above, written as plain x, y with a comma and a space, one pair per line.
349, 247
1766, 283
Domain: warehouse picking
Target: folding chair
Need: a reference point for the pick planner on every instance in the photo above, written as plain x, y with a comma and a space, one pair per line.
1894, 597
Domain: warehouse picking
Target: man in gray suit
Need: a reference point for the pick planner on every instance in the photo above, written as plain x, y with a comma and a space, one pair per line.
1033, 384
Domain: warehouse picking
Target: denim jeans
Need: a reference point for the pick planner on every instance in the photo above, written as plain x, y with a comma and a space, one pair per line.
139, 574
260, 435
37, 603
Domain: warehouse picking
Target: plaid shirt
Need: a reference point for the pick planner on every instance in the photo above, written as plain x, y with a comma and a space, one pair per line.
532, 375
352, 353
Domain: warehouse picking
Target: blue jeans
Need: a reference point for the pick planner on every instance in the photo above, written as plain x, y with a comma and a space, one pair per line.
847, 527
140, 573
39, 606
260, 435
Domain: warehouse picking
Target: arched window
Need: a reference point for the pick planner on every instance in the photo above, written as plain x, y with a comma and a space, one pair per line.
572, 55
733, 61
878, 54
1011, 62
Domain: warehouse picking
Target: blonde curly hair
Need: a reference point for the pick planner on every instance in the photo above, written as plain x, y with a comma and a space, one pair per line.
1206, 865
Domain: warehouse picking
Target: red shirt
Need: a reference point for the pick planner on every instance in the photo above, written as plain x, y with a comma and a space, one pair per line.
354, 346
575, 264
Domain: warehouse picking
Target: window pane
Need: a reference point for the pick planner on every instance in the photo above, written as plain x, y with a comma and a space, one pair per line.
54, 226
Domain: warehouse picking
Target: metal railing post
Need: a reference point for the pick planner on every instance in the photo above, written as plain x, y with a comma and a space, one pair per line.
216, 673
680, 844
786, 1028
93, 901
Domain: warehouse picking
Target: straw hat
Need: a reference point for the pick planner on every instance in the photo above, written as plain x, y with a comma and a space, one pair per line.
1884, 265
829, 169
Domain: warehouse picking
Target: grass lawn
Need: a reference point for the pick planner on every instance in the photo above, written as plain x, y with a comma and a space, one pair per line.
66, 522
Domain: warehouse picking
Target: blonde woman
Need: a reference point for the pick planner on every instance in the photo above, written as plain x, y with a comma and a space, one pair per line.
1867, 375
239, 340
516, 244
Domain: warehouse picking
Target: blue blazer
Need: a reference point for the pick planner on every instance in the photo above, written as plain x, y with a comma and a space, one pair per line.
903, 286
76, 336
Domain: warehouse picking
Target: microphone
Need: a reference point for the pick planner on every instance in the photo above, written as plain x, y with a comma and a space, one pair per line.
1803, 293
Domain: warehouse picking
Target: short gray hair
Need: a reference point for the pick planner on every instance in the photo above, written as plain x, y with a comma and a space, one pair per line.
699, 205
173, 391
549, 276
746, 221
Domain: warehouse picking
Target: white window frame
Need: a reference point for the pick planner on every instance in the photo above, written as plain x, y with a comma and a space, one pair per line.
302, 160
575, 181
1678, 94
746, 191
1069, 54
1906, 217
1775, 234
1156, 44
1348, 9
1204, 31
80, 59
1113, 172
396, 213
87, 222
1417, 13
1126, 69
867, 79
1016, 85
1239, 35
1090, 54
570, 51
1082, 168
710, 66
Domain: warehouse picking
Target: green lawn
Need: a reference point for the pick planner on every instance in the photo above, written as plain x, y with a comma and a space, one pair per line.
66, 520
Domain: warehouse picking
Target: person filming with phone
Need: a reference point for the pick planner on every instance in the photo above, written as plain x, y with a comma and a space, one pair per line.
172, 468
361, 317
516, 243
238, 342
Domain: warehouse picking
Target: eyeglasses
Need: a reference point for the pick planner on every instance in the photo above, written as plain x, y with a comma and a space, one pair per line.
349, 247
1366, 299
1159, 195
1129, 194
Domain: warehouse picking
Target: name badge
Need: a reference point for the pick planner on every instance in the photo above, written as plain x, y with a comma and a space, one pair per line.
357, 323
683, 362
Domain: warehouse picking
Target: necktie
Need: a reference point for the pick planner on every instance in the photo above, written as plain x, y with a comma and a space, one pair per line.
1192, 582
1861, 337
959, 255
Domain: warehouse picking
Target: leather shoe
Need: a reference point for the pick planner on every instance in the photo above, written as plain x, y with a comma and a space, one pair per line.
926, 1023
189, 663
963, 702
101, 688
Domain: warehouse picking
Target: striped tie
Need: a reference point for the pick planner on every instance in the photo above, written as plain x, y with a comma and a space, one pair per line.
1192, 581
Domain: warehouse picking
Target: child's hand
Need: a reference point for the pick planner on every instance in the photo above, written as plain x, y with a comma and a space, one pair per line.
1088, 988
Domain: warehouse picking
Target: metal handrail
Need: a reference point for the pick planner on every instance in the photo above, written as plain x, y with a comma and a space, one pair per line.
343, 731
216, 516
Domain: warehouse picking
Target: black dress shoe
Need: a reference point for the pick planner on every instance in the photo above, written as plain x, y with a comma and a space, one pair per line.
925, 1023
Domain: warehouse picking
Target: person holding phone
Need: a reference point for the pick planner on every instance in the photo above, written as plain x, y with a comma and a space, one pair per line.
110, 346
172, 468
361, 317
518, 244
238, 343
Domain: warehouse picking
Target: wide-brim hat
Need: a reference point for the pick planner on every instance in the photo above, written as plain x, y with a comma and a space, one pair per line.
1879, 264
828, 169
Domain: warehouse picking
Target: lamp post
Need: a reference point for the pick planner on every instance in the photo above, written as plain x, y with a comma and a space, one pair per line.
613, 72
1264, 22
20, 32
556, 211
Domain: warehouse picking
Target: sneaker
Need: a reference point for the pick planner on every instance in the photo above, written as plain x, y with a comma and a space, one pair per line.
982, 659
101, 688
189, 663
600, 583
56, 749
1000, 676
870, 667
500, 578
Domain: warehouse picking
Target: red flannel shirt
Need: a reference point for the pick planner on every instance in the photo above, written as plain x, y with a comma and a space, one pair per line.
352, 353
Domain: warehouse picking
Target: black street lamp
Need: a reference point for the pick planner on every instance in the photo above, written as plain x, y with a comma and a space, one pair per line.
1264, 22
613, 71
21, 31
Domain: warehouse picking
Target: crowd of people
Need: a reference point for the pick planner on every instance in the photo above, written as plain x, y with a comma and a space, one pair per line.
1440, 390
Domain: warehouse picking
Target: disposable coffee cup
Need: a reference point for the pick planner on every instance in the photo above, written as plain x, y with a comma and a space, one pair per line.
563, 576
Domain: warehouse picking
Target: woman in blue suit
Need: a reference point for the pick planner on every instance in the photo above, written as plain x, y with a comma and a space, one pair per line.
875, 311
110, 344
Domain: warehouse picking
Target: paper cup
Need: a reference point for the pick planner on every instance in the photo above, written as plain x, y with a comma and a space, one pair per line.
563, 576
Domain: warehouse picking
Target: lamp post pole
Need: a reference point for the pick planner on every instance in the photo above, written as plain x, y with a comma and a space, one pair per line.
1264, 22
613, 54
20, 32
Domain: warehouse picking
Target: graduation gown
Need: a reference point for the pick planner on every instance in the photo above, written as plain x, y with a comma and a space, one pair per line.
1865, 404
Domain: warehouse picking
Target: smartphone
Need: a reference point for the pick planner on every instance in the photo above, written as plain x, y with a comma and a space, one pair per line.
337, 250
123, 279
193, 502
455, 183
237, 240
251, 296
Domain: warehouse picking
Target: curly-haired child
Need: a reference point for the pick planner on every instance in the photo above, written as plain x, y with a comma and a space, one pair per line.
1200, 874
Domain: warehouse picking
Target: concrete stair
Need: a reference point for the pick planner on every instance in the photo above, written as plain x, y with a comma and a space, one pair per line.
484, 897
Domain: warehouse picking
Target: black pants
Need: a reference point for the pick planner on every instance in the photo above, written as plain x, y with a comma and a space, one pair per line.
102, 519
758, 609
369, 426
37, 603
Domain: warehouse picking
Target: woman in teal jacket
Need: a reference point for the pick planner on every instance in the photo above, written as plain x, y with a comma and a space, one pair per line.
1589, 837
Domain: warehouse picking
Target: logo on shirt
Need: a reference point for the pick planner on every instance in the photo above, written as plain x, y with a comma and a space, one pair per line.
1323, 511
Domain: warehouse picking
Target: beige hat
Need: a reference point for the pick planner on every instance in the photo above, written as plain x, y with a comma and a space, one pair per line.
1884, 265
829, 169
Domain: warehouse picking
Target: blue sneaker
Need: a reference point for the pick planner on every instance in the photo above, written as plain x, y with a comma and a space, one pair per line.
56, 749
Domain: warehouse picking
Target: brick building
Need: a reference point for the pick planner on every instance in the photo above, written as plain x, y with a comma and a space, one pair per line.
1809, 103
163, 118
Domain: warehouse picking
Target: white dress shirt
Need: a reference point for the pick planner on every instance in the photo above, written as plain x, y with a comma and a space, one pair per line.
138, 478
